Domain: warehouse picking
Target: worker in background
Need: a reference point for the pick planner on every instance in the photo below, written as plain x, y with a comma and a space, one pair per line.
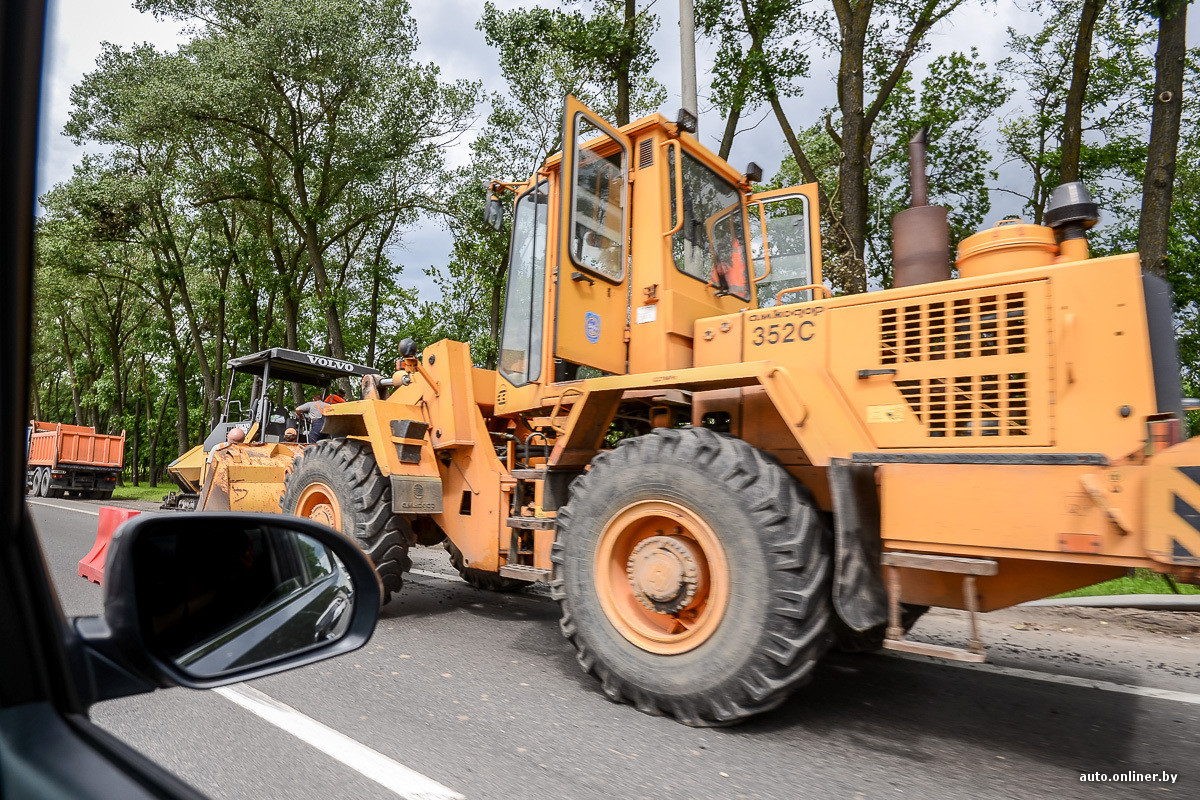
314, 412
290, 435
233, 436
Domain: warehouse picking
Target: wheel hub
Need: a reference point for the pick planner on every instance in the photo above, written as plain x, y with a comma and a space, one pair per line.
664, 572
319, 502
322, 513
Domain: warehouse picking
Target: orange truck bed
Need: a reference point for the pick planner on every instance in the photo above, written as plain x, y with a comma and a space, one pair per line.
54, 444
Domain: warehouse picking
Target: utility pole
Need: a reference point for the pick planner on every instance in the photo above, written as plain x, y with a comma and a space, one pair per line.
687, 56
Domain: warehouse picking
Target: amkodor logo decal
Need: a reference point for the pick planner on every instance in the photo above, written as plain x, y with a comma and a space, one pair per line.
591, 327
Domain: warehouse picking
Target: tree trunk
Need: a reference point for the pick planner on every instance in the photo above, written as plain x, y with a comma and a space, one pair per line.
324, 293
181, 405
137, 438
625, 57
155, 472
70, 361
1081, 68
1164, 136
851, 274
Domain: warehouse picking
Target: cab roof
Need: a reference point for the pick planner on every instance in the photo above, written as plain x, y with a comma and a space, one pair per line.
294, 365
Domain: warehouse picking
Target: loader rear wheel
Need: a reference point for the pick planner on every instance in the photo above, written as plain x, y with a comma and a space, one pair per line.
337, 482
482, 579
693, 575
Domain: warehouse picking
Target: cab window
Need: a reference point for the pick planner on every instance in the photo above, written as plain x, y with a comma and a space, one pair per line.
598, 202
711, 243
779, 238
521, 342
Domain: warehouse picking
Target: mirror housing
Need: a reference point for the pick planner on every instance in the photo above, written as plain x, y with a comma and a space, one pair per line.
195, 567
493, 213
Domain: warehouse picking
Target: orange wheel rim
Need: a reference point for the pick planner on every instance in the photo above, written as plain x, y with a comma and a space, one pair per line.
319, 503
662, 577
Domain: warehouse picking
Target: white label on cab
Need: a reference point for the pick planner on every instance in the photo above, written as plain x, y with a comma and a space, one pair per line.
647, 314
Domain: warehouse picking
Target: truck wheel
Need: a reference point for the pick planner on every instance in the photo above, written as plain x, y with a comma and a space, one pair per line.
480, 578
337, 482
693, 574
36, 487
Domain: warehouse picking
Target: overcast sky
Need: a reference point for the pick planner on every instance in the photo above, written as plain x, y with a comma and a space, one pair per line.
77, 28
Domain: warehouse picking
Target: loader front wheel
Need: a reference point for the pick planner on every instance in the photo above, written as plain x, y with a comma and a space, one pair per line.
482, 579
693, 575
337, 482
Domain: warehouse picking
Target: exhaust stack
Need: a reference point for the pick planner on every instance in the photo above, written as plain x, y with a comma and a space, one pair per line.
920, 234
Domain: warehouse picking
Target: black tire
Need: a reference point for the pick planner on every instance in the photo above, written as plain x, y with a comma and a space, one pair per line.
43, 482
848, 640
775, 623
364, 497
35, 483
479, 578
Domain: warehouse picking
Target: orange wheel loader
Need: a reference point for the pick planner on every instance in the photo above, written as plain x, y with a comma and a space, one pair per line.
722, 471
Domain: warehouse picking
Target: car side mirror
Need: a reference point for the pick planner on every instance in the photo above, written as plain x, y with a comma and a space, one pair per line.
206, 599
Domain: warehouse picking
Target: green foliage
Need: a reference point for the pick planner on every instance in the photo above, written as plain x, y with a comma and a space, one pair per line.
546, 54
1115, 109
757, 49
957, 99
1142, 581
254, 183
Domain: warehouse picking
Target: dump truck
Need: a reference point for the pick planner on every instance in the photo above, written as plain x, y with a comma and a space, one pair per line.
72, 459
722, 471
249, 476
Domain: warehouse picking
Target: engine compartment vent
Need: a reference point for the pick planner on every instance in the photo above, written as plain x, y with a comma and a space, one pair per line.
964, 368
961, 327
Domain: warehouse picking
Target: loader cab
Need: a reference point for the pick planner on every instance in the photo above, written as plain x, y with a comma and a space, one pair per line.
627, 238
267, 412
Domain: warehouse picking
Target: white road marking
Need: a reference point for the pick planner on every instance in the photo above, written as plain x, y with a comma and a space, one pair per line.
61, 508
1049, 677
995, 669
389, 774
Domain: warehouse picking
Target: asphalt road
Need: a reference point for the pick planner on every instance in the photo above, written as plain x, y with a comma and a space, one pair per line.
480, 693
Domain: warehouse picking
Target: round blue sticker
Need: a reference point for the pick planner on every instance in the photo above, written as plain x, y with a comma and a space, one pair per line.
591, 327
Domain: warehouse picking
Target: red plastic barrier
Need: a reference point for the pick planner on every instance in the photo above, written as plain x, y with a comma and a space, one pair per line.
92, 565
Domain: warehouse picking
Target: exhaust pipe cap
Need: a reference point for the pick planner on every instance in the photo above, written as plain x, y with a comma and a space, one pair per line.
1071, 204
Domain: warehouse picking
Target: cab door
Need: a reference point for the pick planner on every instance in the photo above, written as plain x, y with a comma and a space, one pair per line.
593, 267
785, 243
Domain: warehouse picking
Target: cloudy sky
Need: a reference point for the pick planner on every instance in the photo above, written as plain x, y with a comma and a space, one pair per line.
77, 28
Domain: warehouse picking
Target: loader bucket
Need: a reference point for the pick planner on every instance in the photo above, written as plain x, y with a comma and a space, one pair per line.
247, 477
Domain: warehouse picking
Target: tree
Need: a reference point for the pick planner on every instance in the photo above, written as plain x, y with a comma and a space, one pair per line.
875, 42
334, 109
1081, 65
743, 73
1164, 133
1112, 116
957, 99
